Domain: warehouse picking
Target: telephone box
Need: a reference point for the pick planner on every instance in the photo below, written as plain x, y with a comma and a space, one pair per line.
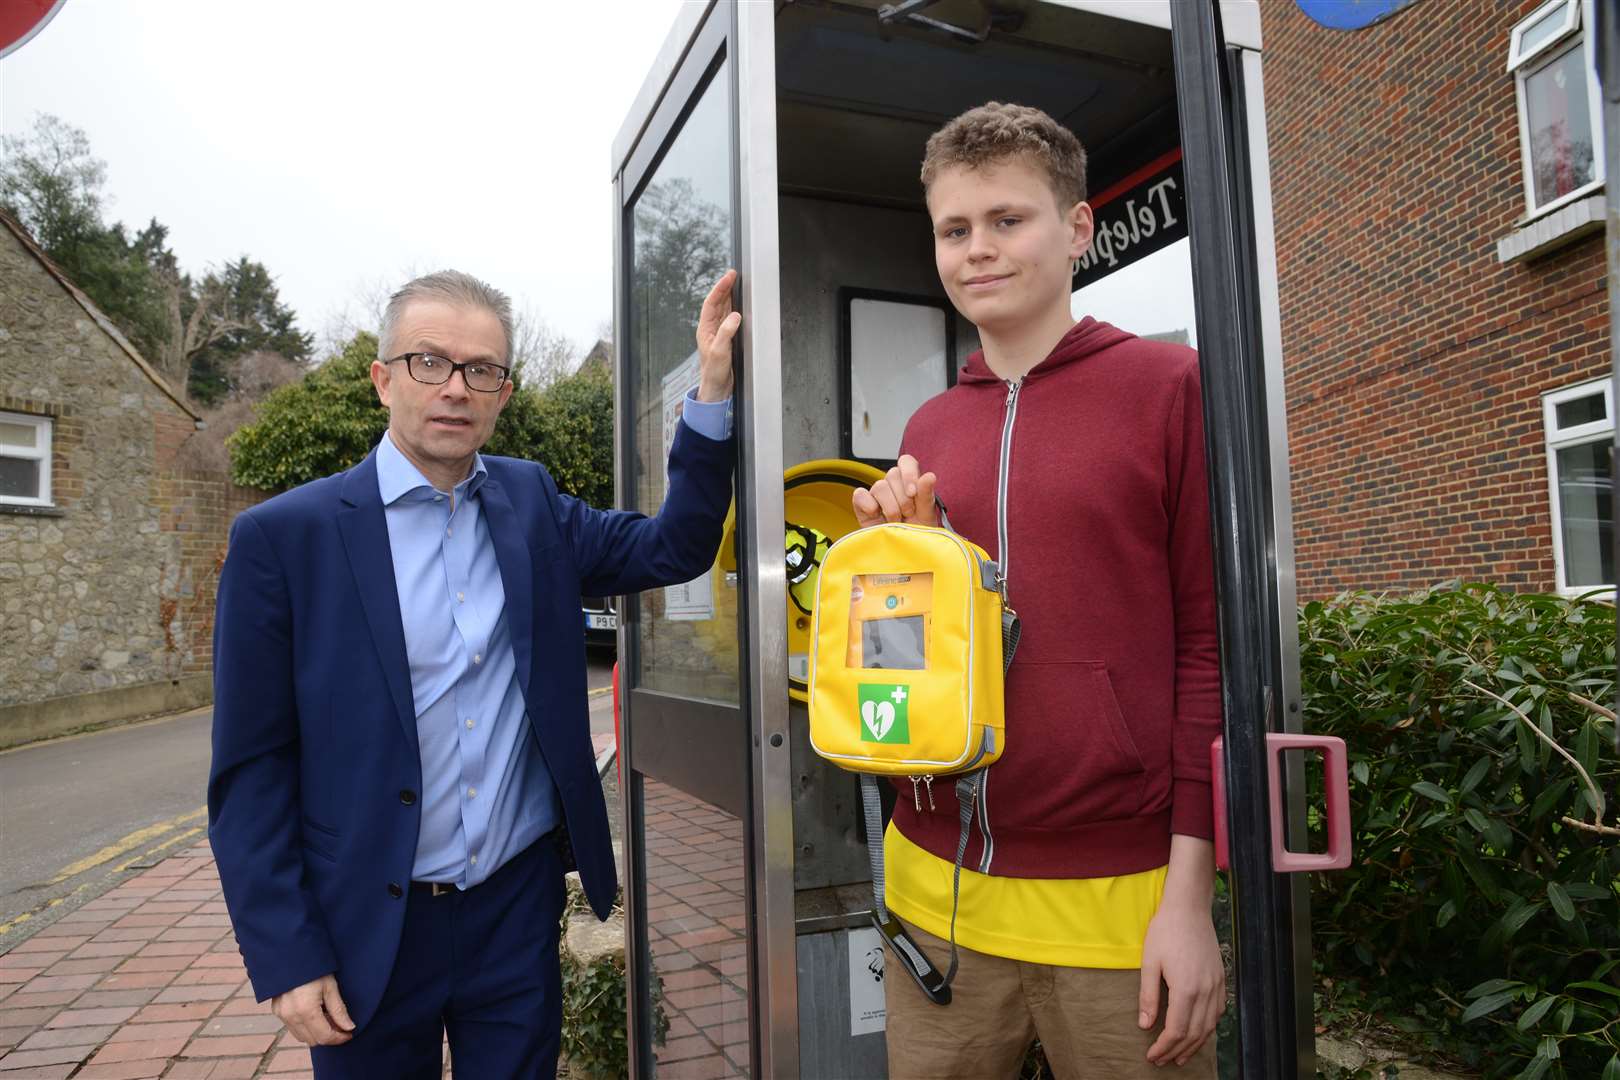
784, 139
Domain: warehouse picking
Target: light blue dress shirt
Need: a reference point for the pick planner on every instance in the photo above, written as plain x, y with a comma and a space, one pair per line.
486, 792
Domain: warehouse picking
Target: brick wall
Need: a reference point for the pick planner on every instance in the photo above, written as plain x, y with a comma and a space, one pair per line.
1415, 360
197, 511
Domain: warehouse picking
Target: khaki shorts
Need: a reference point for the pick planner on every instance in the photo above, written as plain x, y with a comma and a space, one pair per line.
1084, 1017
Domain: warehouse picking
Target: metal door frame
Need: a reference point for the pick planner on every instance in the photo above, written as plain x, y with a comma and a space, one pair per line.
699, 42
1221, 104
742, 34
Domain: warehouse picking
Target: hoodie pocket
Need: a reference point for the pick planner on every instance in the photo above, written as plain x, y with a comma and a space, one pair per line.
1074, 759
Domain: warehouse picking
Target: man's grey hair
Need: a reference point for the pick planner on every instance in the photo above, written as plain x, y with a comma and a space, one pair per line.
451, 287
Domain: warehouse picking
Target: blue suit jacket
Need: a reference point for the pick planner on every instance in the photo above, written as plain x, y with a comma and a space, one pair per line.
312, 807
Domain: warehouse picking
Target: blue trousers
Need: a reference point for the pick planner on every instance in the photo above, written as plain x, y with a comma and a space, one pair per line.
480, 966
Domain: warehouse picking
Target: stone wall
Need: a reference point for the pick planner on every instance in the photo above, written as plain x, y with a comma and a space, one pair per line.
111, 588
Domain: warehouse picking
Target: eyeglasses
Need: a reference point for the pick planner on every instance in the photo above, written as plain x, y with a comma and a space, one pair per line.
436, 370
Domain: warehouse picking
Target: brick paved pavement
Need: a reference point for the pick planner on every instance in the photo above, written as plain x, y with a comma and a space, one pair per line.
696, 931
146, 980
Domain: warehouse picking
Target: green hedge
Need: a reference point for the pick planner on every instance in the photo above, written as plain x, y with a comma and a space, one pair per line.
1482, 907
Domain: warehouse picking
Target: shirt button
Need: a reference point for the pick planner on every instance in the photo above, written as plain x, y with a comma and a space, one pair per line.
438, 498
394, 890
473, 860
478, 658
469, 723
461, 598
472, 793
449, 532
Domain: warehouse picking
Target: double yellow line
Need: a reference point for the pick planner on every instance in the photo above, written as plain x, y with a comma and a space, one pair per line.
139, 842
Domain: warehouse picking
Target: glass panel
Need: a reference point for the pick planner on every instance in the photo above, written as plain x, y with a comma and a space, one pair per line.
1543, 30
682, 234
896, 362
19, 478
1587, 510
17, 434
1586, 410
1152, 297
697, 926
1555, 101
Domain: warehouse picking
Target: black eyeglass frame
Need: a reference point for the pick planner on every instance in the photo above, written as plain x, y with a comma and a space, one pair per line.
506, 372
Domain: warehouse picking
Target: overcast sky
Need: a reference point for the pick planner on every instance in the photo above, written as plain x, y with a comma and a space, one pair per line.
348, 143
345, 143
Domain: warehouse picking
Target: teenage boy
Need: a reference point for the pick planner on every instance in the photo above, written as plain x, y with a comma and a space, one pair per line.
1074, 453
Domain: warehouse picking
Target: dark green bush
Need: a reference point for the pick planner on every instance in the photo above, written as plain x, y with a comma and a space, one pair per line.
1482, 905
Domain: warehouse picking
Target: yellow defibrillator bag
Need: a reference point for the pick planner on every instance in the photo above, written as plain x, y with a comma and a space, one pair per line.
911, 640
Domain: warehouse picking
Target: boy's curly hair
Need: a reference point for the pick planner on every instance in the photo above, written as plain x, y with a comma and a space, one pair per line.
994, 132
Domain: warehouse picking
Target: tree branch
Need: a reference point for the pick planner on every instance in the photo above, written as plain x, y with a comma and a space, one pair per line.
1598, 802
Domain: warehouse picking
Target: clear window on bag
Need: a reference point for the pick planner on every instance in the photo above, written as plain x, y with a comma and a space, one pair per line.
889, 619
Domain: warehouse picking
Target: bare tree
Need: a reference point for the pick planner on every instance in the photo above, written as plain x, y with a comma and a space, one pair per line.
199, 315
362, 311
541, 354
258, 374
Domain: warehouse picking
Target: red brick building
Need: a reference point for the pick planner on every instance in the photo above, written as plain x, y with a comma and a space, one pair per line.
1438, 185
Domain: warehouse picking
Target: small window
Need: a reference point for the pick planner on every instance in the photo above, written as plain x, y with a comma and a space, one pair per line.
1546, 26
1580, 438
899, 351
25, 460
1556, 84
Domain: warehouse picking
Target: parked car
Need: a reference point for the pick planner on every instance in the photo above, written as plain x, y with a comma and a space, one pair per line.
601, 621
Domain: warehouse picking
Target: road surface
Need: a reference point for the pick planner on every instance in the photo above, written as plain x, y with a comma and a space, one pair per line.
81, 813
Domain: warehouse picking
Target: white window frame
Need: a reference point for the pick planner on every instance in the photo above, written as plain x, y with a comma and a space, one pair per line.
1562, 439
1522, 66
40, 452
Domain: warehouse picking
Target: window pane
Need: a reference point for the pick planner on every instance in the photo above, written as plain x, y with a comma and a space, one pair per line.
1543, 30
17, 434
1586, 505
1560, 126
896, 362
1584, 410
682, 242
19, 478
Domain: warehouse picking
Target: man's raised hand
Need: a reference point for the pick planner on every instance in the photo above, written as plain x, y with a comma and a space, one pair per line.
717, 326
906, 494
315, 1013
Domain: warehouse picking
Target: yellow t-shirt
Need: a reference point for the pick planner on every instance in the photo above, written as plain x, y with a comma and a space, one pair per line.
1072, 922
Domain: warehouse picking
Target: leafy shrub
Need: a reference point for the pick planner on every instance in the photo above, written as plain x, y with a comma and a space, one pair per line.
595, 1024
1481, 901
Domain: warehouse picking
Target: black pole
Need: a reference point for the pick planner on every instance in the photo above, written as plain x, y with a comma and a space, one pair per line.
1608, 70
1225, 274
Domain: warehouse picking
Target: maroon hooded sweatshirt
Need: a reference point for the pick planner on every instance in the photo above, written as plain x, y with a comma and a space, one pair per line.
1086, 481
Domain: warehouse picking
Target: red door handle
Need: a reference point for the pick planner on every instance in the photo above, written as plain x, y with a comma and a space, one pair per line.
1337, 786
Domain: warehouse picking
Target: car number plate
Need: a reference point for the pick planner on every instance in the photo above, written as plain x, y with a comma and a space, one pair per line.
602, 622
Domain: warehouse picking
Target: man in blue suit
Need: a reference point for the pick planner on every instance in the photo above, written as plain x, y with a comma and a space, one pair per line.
402, 758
